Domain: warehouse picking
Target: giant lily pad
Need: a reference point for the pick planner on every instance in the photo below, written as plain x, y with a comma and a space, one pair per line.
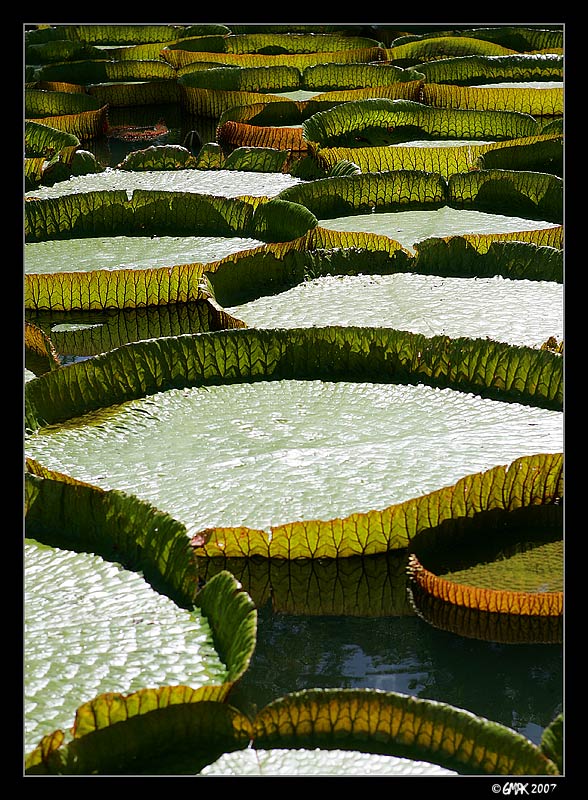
288, 444
506, 585
189, 734
413, 226
113, 634
304, 443
518, 312
225, 183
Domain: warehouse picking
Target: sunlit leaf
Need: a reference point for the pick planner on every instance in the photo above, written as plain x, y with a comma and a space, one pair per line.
384, 722
103, 637
552, 741
98, 212
175, 730
244, 79
492, 368
441, 47
524, 100
165, 157
87, 333
357, 194
449, 120
500, 488
191, 733
213, 102
538, 195
240, 134
183, 58
326, 77
302, 762
477, 69
151, 91
258, 159
512, 258
533, 153
295, 43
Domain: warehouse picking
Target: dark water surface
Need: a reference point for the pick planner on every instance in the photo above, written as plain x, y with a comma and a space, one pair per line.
518, 685
111, 151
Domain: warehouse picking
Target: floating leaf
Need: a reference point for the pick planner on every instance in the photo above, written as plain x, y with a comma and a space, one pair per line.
385, 722
552, 741
534, 194
535, 102
326, 128
492, 368
527, 481
191, 733
491, 69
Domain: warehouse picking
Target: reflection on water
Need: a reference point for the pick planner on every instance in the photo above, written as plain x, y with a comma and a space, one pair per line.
111, 151
520, 686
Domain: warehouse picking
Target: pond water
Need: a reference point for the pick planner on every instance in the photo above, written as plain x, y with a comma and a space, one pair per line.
518, 685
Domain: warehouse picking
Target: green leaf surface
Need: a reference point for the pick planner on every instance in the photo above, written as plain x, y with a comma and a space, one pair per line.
89, 333
113, 633
527, 481
327, 128
244, 79
122, 34
323, 763
60, 50
324, 77
162, 157
398, 725
70, 514
523, 100
441, 47
40, 103
129, 92
112, 213
257, 159
517, 260
336, 725
173, 731
531, 154
520, 313
552, 742
517, 37
280, 220
42, 140
295, 43
519, 374
534, 194
479, 69
356, 194
170, 377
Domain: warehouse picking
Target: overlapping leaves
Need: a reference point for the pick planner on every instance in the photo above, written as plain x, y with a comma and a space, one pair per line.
198, 731
485, 367
528, 481
512, 372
